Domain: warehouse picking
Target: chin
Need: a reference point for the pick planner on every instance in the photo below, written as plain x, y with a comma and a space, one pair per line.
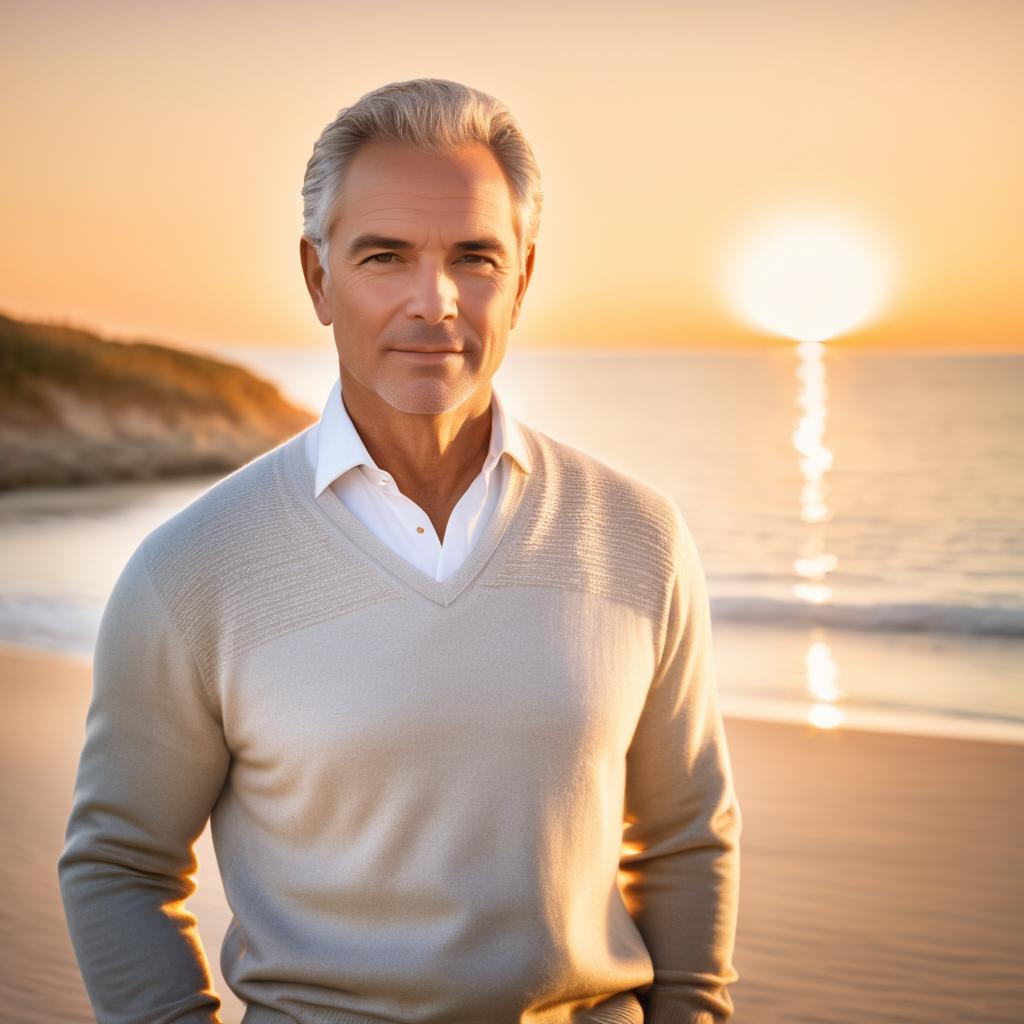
426, 396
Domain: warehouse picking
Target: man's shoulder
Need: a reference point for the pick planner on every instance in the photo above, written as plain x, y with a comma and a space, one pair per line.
596, 527
237, 515
580, 479
246, 562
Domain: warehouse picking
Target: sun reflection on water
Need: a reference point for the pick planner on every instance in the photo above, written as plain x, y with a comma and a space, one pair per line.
815, 460
815, 561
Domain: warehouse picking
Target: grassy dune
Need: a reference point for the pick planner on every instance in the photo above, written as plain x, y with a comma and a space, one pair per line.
75, 408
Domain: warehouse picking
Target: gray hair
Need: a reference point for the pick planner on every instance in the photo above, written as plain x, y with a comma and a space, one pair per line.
435, 115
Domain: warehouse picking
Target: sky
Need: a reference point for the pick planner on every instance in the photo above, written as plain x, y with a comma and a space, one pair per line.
151, 171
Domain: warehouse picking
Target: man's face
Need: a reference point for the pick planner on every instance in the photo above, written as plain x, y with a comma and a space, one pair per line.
423, 254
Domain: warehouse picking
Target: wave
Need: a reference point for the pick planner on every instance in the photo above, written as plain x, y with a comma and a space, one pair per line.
50, 623
892, 617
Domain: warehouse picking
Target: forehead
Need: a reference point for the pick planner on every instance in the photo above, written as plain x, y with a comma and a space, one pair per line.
389, 185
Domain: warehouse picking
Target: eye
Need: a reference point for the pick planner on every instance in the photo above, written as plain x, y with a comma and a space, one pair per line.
385, 258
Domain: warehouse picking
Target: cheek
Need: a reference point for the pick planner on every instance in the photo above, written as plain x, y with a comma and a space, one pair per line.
365, 298
491, 298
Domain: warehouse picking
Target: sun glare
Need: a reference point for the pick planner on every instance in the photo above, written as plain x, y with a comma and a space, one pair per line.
805, 274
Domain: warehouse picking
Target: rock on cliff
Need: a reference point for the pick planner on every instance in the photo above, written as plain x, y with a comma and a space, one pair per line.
75, 409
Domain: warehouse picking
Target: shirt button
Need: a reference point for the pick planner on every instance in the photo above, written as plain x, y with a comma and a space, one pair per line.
419, 529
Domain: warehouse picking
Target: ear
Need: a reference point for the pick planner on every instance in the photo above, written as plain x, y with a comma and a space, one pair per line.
524, 281
314, 277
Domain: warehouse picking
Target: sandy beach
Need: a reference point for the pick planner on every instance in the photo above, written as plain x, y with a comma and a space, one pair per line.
881, 873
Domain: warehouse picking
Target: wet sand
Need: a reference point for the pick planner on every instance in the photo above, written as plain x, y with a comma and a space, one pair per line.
881, 873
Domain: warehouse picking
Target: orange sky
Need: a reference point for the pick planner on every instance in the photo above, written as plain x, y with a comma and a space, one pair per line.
153, 156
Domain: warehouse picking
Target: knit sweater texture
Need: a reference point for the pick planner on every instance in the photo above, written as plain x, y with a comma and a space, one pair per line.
501, 798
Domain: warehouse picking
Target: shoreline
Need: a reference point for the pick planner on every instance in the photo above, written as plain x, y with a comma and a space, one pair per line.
753, 709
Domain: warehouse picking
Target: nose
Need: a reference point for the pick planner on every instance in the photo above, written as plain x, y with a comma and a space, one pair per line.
433, 294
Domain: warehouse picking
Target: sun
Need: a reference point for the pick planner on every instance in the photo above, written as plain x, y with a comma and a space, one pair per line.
807, 274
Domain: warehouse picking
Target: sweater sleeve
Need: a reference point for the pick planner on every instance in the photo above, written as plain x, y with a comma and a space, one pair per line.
152, 765
679, 870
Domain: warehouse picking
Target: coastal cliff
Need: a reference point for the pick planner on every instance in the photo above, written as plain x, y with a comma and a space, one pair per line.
78, 409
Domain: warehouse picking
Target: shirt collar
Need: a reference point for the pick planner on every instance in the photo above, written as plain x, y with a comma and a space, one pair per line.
339, 447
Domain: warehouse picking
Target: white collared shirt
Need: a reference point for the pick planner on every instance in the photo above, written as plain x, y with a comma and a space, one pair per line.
339, 459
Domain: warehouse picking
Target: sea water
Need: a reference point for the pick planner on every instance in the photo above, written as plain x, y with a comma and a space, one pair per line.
859, 517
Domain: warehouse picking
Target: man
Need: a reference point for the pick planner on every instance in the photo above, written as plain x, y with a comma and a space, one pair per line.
442, 683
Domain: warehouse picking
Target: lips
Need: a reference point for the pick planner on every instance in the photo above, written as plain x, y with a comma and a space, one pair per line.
430, 351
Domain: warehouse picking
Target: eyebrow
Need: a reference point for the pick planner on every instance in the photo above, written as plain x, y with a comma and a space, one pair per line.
488, 243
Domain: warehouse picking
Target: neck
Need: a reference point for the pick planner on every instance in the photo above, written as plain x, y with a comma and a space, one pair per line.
428, 454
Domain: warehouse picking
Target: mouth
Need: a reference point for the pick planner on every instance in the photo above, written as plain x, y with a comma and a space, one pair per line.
430, 351
429, 355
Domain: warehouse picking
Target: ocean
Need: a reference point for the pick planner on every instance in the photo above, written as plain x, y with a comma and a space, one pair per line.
860, 518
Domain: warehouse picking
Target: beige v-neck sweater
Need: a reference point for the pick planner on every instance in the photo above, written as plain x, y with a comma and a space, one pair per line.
502, 798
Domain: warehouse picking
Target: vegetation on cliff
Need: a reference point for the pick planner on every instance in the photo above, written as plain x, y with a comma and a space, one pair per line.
76, 408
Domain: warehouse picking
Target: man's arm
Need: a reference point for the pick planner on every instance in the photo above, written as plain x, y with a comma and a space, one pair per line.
152, 766
680, 863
